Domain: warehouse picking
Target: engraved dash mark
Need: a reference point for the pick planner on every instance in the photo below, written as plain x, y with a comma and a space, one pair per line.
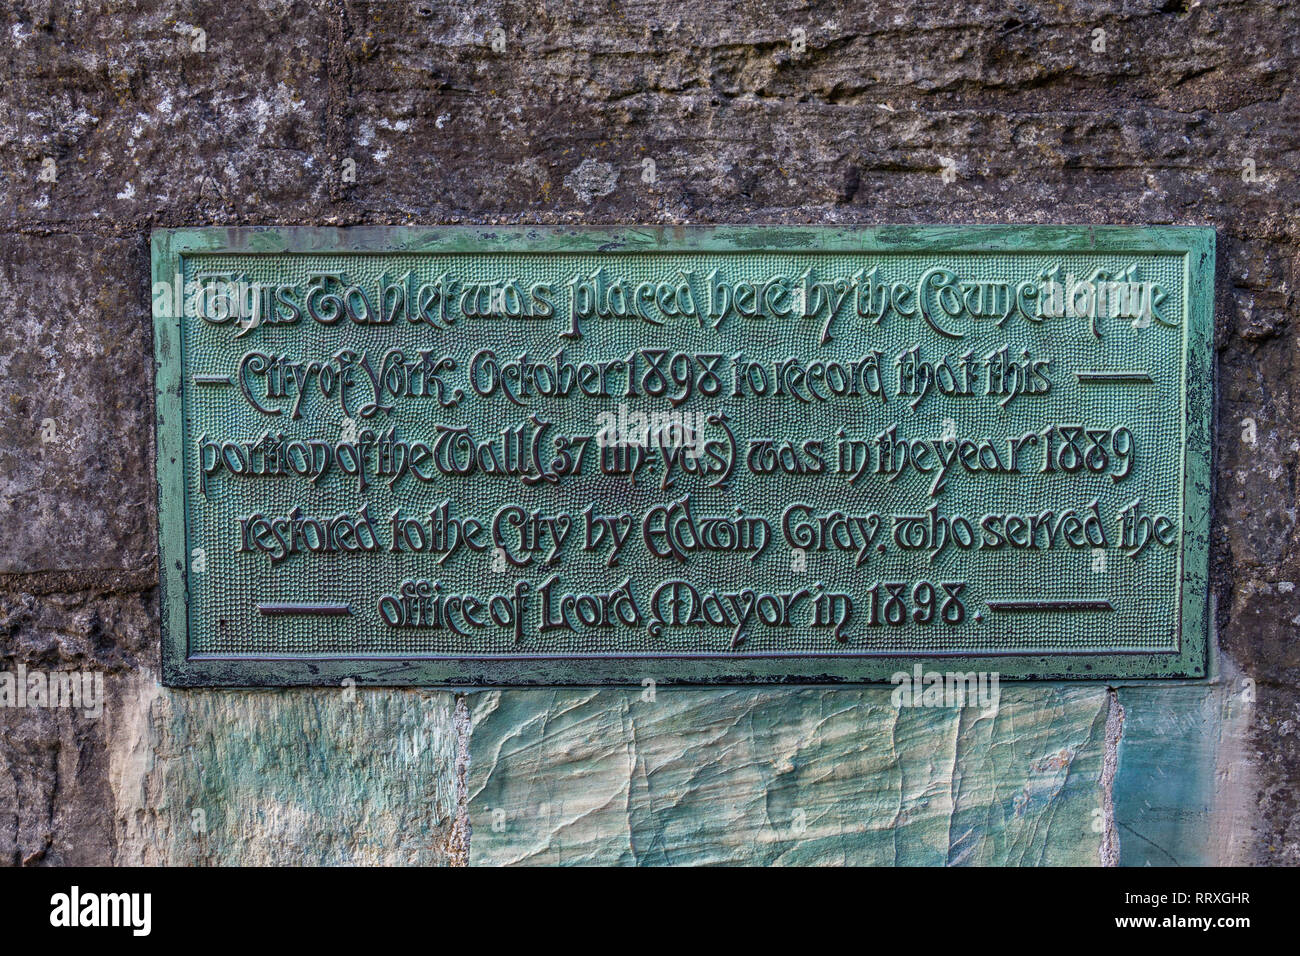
1043, 604
331, 610
212, 380
1113, 378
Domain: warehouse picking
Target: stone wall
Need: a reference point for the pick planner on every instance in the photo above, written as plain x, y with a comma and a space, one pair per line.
116, 118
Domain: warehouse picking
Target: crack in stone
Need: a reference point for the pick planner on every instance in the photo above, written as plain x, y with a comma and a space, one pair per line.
461, 831
1109, 849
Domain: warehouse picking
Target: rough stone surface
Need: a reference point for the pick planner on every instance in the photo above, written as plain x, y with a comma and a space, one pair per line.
55, 802
76, 442
282, 777
334, 112
1185, 794
785, 777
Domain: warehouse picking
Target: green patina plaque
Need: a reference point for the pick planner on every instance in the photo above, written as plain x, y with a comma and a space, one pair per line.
523, 455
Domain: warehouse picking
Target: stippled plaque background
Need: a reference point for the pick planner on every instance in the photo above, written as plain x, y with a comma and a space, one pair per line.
514, 455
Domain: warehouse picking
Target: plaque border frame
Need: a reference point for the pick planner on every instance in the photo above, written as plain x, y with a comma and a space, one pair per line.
180, 669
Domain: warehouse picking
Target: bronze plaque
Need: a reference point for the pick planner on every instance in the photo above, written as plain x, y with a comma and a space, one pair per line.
492, 455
